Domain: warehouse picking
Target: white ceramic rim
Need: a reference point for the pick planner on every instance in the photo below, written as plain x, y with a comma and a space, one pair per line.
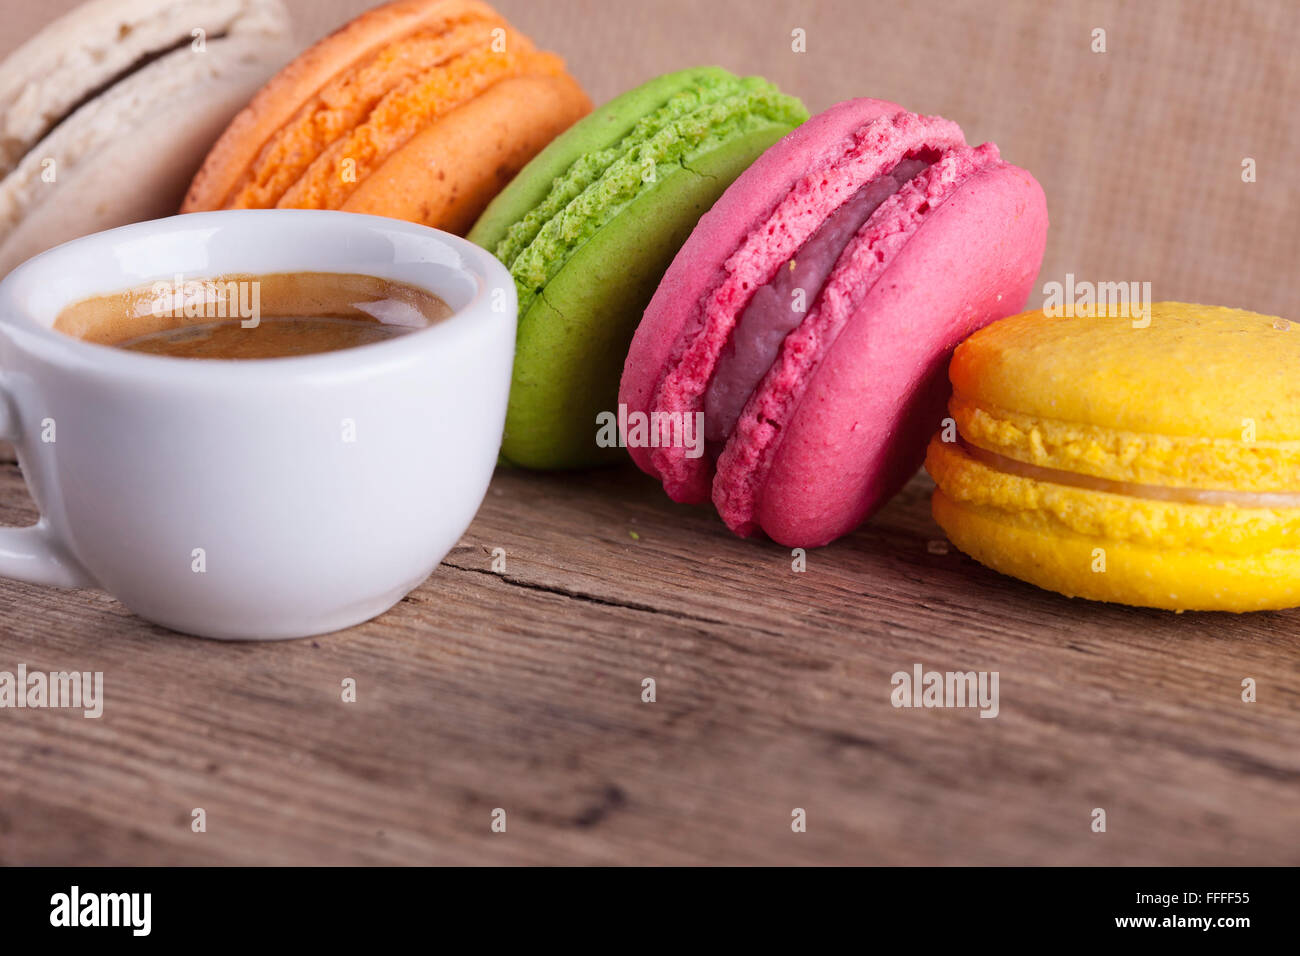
59, 348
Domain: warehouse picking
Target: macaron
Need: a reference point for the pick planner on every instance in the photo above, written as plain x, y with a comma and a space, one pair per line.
419, 110
107, 112
807, 322
1148, 464
588, 228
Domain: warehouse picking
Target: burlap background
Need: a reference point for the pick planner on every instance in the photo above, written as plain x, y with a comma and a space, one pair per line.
1139, 149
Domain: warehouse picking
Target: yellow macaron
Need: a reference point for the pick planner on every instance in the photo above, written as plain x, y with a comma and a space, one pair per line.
1153, 462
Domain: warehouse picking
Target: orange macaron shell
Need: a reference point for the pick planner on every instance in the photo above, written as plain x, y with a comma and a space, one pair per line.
345, 102
284, 93
402, 113
357, 121
471, 153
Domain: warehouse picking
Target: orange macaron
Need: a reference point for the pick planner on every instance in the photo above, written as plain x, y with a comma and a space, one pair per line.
419, 109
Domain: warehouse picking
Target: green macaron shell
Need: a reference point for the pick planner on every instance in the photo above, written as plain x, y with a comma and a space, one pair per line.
588, 231
600, 130
755, 105
574, 338
662, 129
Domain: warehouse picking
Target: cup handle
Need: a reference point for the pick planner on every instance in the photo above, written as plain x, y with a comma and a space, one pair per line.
33, 554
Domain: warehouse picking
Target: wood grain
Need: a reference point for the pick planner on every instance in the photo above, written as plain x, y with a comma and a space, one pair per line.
522, 690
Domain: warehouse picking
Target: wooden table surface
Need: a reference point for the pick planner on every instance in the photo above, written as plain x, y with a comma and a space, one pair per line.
522, 690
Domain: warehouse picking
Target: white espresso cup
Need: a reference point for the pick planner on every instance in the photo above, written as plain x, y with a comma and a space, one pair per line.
253, 499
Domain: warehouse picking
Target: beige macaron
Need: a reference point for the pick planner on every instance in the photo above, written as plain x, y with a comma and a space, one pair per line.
107, 112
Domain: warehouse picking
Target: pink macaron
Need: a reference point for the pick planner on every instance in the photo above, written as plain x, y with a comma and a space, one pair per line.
809, 318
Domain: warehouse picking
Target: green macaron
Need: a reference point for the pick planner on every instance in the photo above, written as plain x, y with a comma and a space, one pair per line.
588, 228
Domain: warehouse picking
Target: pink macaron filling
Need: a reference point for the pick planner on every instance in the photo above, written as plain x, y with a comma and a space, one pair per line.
744, 467
763, 243
835, 405
779, 306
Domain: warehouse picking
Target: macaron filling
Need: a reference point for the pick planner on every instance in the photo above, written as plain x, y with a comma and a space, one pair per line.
779, 306
50, 78
743, 467
144, 60
1130, 489
862, 156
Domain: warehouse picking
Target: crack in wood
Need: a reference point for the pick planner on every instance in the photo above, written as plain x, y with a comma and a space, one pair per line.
602, 602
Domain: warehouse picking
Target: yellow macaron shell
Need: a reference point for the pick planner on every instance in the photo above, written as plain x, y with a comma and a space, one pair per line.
1172, 405
1202, 397
1124, 572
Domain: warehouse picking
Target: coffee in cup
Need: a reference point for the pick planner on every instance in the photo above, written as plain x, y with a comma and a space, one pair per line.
253, 316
